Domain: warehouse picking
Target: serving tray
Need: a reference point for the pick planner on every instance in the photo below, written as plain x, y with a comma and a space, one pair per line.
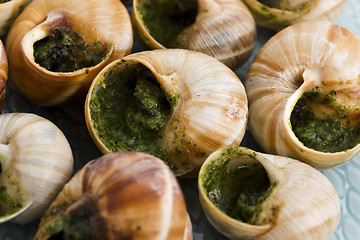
70, 119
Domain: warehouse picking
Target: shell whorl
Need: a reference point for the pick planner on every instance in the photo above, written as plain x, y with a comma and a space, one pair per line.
211, 110
108, 22
137, 195
223, 29
299, 58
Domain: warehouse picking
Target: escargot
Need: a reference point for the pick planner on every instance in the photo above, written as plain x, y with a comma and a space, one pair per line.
36, 161
222, 29
56, 48
176, 104
250, 195
3, 74
303, 91
278, 14
127, 195
9, 10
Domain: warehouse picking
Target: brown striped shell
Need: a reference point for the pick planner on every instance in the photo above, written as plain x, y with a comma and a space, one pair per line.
223, 29
105, 21
319, 57
278, 14
302, 203
135, 194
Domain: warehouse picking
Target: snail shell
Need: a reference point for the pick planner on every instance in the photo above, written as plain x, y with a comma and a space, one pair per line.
3, 73
9, 11
107, 22
222, 29
206, 101
302, 58
36, 162
135, 194
302, 203
278, 14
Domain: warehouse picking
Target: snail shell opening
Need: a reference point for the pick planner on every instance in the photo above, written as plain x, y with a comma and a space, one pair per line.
250, 195
176, 104
303, 94
55, 50
222, 29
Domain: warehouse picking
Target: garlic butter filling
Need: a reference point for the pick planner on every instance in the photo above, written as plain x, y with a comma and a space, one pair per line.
65, 50
129, 110
238, 185
320, 122
166, 19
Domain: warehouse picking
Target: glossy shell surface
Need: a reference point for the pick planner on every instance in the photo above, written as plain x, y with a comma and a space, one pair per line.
106, 21
303, 204
302, 57
136, 194
9, 11
222, 29
345, 177
40, 160
211, 109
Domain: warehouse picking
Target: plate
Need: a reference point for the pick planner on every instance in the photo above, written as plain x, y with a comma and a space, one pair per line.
70, 119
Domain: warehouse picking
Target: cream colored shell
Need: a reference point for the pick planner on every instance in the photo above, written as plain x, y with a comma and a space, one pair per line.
3, 73
302, 206
136, 194
107, 21
306, 55
223, 29
211, 109
36, 156
9, 11
279, 14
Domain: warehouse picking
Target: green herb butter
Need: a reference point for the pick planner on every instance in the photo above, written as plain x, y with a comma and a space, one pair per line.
164, 20
66, 51
129, 110
334, 132
238, 192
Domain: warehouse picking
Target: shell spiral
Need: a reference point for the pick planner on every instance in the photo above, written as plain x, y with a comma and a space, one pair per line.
136, 194
209, 111
302, 205
306, 56
223, 29
41, 160
106, 21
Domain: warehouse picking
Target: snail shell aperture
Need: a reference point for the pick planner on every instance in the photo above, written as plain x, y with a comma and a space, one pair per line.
303, 91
